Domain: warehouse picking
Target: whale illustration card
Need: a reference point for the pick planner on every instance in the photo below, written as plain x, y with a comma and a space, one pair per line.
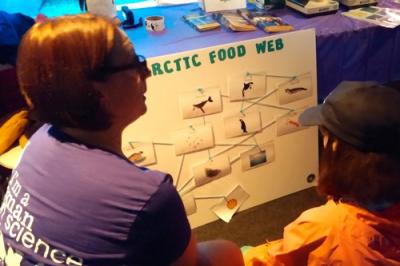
246, 87
200, 103
140, 153
211, 170
289, 123
230, 204
258, 156
295, 89
242, 124
194, 138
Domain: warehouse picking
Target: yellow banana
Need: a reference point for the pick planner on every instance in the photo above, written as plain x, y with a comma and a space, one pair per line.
12, 129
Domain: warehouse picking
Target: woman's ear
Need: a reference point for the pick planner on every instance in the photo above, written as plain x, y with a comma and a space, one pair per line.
101, 89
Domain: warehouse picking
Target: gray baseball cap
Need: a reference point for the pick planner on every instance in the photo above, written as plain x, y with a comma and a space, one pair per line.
363, 114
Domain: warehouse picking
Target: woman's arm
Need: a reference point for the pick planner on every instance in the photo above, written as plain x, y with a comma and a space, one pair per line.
210, 253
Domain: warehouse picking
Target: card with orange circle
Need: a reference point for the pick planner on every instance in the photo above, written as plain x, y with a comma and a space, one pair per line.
230, 204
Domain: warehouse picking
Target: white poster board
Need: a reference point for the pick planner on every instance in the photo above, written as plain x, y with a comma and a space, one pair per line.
223, 122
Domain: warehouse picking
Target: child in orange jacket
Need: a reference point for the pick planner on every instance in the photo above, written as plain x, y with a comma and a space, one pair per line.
360, 175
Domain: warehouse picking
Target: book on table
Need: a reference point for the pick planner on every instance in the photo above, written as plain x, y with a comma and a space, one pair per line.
265, 21
202, 22
233, 21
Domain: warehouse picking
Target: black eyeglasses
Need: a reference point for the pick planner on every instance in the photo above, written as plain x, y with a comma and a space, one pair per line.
139, 63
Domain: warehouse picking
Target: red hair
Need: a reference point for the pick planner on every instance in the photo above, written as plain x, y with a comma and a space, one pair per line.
366, 177
56, 62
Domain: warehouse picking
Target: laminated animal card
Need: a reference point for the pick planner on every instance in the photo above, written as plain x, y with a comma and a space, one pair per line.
190, 204
211, 170
194, 138
242, 124
246, 87
258, 156
295, 89
230, 204
200, 103
140, 153
289, 123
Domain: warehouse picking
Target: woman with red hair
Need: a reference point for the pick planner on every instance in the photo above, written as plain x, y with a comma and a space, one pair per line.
73, 198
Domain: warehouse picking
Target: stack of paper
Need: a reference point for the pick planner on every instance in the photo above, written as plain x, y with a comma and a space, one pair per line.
385, 17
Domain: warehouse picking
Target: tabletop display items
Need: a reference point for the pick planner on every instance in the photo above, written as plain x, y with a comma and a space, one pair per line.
270, 4
202, 22
313, 7
357, 3
265, 21
385, 17
129, 21
212, 5
105, 8
233, 21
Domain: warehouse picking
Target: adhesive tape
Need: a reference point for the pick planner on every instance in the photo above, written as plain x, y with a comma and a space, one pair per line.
154, 23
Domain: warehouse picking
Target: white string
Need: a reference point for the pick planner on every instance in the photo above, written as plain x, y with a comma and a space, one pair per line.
273, 106
235, 159
260, 99
209, 197
180, 170
184, 185
280, 76
229, 144
163, 143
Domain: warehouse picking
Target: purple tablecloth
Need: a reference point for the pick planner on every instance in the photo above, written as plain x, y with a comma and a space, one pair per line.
347, 49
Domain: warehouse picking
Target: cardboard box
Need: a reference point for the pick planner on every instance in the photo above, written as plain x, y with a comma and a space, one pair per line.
219, 5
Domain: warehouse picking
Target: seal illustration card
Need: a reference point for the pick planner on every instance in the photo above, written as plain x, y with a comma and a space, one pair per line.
211, 170
295, 89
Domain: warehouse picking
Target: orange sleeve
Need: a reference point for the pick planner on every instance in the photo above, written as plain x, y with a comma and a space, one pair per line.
260, 255
300, 238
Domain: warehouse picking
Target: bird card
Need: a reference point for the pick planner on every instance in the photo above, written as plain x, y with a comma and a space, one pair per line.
193, 138
258, 156
230, 204
242, 124
289, 123
200, 103
140, 153
295, 89
246, 87
211, 170
189, 203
